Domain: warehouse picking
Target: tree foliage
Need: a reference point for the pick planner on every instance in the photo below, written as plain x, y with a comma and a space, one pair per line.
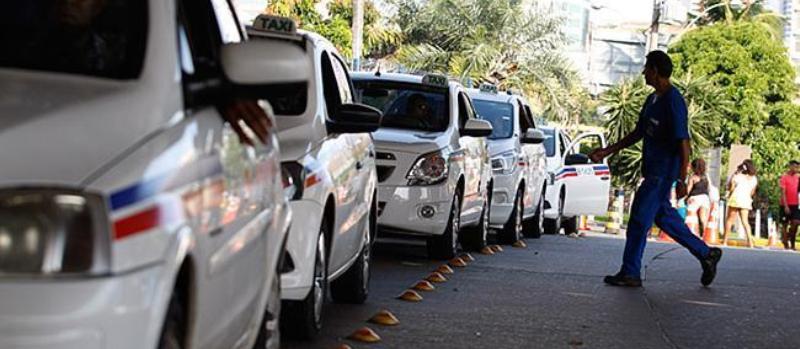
757, 78
501, 42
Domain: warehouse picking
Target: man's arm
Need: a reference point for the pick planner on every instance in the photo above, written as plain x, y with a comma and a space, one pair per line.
686, 153
599, 154
785, 195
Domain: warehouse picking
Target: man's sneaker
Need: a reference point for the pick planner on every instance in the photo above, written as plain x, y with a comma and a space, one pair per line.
623, 280
710, 266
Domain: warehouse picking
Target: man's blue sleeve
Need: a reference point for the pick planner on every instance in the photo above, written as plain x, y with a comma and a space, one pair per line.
640, 121
680, 117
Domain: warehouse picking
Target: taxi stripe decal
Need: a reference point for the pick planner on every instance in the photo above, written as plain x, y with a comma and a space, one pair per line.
567, 172
151, 216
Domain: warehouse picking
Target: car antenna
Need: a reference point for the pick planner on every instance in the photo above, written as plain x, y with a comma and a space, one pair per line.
378, 70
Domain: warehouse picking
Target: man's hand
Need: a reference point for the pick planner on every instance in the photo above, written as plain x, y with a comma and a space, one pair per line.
598, 155
786, 210
252, 115
680, 190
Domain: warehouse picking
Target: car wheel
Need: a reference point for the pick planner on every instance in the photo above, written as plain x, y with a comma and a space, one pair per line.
353, 286
269, 334
445, 246
303, 319
552, 226
570, 225
474, 238
534, 227
174, 325
512, 230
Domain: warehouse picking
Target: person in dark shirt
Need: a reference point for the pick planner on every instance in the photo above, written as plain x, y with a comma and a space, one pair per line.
663, 127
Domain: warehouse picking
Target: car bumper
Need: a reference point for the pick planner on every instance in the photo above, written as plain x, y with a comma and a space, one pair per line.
503, 195
124, 311
401, 208
301, 245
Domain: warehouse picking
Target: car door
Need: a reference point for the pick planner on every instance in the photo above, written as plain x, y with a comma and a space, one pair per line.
474, 157
231, 215
344, 166
587, 183
531, 161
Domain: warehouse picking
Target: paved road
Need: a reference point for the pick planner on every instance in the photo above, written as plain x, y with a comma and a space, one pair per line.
551, 295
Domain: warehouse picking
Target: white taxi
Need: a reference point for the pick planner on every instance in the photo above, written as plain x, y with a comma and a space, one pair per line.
576, 186
518, 162
131, 213
433, 161
328, 152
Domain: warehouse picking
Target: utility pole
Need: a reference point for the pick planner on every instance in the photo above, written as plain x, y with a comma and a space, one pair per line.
652, 39
358, 32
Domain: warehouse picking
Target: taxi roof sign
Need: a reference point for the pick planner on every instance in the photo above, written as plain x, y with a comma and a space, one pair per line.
435, 80
266, 24
488, 88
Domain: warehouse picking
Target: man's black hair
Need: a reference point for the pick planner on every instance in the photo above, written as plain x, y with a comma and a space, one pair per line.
661, 62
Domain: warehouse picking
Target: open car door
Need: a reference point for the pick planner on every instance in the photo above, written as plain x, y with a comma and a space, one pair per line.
587, 184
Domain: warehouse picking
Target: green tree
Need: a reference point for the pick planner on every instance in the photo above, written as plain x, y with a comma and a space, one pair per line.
755, 75
500, 42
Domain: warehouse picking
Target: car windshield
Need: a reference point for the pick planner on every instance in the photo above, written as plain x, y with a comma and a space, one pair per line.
102, 38
407, 106
549, 141
499, 114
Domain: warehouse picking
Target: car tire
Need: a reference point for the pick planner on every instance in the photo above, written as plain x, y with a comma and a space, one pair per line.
353, 286
269, 333
534, 227
445, 246
570, 225
303, 319
172, 333
512, 230
474, 238
552, 226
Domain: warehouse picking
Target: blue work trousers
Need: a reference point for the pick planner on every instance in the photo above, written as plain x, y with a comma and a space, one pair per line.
652, 205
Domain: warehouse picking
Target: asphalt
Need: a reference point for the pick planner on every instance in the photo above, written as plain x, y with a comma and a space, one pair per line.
551, 295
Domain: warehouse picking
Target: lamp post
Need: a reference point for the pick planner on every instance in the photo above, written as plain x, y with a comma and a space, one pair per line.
358, 30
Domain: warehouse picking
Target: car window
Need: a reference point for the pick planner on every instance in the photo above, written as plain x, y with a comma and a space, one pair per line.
330, 88
229, 29
95, 38
463, 111
342, 80
525, 117
563, 145
531, 119
406, 106
499, 114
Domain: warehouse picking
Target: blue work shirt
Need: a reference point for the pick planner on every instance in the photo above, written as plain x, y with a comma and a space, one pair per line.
663, 123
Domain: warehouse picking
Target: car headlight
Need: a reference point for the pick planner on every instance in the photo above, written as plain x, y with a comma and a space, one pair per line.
505, 162
429, 169
294, 178
53, 232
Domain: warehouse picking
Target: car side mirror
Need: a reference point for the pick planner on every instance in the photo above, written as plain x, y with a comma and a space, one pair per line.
477, 128
354, 118
532, 136
577, 159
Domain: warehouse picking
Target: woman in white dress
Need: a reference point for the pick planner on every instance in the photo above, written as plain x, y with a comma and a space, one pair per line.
741, 190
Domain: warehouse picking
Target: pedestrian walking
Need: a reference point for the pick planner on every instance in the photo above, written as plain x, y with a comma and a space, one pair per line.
663, 127
699, 201
740, 200
790, 198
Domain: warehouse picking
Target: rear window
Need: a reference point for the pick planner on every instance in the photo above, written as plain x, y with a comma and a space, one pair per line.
101, 38
407, 106
499, 114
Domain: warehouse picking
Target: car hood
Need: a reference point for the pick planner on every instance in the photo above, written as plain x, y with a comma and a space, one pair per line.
409, 141
58, 130
499, 146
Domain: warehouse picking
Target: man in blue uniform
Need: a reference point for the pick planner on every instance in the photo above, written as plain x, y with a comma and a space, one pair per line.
665, 158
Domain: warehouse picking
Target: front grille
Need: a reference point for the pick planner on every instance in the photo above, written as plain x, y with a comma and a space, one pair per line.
384, 172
